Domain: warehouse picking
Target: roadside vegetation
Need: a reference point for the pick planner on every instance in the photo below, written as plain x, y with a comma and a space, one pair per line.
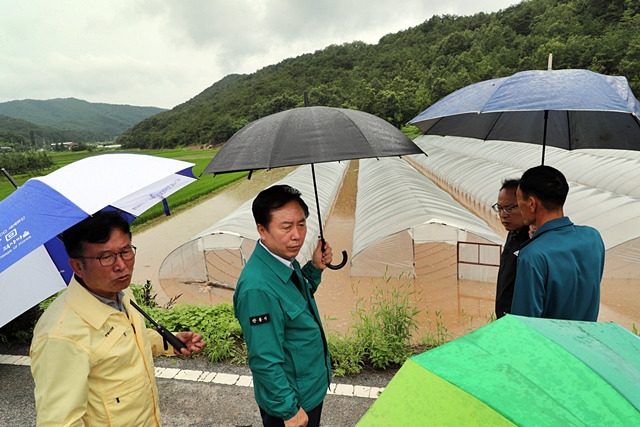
383, 333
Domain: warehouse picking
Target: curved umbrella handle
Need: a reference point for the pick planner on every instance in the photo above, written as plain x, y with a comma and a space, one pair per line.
345, 257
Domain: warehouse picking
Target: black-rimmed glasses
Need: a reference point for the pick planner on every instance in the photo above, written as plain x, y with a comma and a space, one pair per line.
109, 258
506, 209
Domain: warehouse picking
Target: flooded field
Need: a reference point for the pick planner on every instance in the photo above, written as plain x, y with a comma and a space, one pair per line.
446, 305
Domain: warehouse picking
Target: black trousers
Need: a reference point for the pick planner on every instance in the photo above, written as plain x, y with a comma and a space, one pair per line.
270, 421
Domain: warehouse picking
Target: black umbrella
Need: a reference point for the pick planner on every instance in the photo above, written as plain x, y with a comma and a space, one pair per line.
309, 135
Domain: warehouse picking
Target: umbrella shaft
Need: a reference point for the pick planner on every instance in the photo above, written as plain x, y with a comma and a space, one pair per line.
544, 134
315, 188
9, 177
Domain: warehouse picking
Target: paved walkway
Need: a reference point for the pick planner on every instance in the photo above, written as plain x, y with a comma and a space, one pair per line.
194, 392
350, 390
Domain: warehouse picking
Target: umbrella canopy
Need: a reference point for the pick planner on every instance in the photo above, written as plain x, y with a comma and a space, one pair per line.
568, 109
309, 135
33, 261
519, 371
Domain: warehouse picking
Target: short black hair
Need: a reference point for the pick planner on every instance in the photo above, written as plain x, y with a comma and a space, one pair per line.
547, 184
510, 184
274, 198
95, 229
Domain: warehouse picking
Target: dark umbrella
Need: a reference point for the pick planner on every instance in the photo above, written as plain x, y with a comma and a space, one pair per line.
309, 135
568, 109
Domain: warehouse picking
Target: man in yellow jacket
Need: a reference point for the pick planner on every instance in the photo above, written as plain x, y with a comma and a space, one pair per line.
91, 353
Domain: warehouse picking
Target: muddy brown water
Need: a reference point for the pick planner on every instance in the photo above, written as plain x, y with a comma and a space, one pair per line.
447, 307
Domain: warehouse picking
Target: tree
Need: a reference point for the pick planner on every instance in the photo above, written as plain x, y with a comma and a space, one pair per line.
408, 71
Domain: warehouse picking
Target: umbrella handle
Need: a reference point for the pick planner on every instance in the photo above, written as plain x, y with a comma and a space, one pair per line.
345, 257
167, 336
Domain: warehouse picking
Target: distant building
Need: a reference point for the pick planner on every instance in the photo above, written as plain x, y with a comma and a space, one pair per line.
68, 145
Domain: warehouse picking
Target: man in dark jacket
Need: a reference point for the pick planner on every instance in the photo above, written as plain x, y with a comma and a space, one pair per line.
511, 218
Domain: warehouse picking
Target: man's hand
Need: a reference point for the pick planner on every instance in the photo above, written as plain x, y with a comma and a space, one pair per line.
321, 259
298, 420
193, 342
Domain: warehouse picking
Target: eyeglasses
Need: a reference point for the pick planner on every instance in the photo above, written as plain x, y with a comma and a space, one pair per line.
507, 209
109, 258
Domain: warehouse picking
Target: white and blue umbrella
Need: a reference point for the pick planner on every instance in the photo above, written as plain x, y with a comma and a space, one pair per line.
569, 109
33, 261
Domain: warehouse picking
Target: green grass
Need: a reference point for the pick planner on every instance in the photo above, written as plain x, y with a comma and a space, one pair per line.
202, 188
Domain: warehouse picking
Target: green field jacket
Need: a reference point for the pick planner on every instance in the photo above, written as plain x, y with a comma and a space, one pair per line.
288, 355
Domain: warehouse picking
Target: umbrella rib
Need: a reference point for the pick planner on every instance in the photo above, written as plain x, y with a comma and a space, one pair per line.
569, 131
492, 126
636, 119
359, 131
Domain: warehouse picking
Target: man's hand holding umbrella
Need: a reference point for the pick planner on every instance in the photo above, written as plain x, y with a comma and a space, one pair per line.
192, 341
322, 256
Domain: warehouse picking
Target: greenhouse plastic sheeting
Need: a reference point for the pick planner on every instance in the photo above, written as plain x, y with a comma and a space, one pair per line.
604, 184
218, 253
397, 209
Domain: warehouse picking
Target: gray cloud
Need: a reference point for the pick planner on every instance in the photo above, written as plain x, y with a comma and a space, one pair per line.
164, 52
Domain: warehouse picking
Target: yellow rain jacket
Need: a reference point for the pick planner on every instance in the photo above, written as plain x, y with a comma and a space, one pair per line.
94, 366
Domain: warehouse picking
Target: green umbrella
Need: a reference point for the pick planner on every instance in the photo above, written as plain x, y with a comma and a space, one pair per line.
519, 371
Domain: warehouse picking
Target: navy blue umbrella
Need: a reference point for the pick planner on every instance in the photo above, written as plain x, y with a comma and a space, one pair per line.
569, 109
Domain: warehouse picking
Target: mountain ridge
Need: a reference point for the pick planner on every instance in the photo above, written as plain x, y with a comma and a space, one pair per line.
66, 119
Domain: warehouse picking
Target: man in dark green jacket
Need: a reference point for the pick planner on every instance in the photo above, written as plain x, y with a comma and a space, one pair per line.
288, 353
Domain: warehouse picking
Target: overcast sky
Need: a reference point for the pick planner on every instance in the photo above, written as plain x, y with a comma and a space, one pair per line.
163, 52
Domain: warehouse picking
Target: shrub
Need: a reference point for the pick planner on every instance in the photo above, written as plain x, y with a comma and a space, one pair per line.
217, 324
381, 334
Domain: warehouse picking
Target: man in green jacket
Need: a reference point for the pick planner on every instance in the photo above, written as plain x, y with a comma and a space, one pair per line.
288, 353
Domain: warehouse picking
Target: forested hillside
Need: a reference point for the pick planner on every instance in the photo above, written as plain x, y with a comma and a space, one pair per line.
22, 135
31, 122
406, 72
